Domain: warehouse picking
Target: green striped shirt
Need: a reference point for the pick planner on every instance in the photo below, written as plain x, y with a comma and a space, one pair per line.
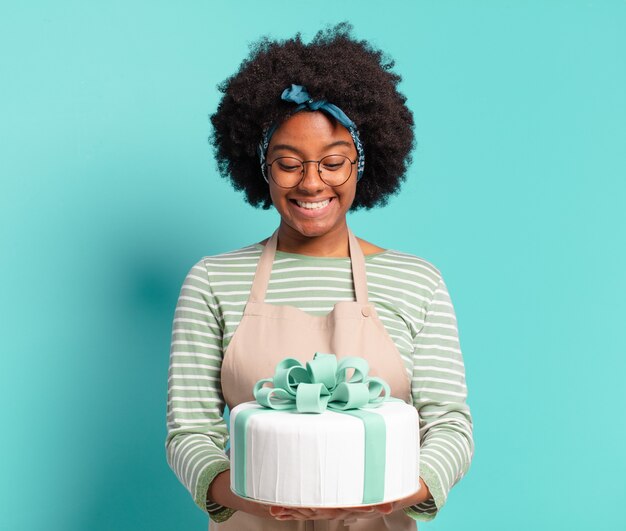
413, 304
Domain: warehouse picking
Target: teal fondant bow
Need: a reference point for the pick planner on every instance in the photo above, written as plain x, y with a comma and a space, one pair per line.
321, 385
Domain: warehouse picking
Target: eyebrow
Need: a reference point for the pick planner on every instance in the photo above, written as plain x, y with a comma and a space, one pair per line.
289, 147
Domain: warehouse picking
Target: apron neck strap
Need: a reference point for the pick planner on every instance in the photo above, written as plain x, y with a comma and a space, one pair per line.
358, 269
264, 269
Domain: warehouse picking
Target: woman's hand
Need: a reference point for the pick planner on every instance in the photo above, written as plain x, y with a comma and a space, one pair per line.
344, 513
348, 513
219, 492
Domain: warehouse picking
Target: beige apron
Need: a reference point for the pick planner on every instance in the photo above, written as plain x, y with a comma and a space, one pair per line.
269, 333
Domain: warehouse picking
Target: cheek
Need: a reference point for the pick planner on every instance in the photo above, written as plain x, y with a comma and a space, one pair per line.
279, 201
349, 195
274, 194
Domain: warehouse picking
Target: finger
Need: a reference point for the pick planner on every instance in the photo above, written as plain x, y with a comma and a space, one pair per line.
288, 514
284, 513
319, 514
384, 508
276, 511
292, 513
305, 513
291, 517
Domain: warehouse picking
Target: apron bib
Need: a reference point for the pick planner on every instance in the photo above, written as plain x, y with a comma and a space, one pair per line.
269, 333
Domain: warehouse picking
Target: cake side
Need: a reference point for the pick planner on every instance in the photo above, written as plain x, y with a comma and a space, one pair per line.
319, 460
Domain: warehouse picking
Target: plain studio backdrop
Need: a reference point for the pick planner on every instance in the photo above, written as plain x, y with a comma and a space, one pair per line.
109, 194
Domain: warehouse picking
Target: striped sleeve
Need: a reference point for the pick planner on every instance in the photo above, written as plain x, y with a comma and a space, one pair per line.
196, 431
439, 393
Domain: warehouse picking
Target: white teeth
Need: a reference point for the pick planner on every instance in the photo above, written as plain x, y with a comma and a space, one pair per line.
313, 206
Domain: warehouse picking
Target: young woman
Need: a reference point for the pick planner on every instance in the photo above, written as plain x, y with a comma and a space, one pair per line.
314, 130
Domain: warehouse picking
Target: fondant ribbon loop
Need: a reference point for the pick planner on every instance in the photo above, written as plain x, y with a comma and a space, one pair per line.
322, 384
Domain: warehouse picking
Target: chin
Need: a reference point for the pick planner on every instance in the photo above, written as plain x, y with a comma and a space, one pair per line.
311, 231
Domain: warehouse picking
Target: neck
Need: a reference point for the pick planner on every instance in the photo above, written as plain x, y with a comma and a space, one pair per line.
333, 243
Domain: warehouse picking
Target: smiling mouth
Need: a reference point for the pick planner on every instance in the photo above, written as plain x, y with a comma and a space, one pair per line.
311, 205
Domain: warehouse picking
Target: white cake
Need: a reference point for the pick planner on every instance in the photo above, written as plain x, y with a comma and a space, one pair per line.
318, 460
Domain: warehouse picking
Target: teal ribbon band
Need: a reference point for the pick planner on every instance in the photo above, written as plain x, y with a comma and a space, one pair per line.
375, 455
240, 448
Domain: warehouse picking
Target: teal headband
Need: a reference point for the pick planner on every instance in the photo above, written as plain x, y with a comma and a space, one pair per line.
298, 94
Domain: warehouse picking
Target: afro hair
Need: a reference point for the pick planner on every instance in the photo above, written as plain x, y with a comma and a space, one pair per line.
333, 66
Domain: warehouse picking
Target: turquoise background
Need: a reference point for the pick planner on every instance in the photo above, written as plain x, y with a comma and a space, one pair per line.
109, 194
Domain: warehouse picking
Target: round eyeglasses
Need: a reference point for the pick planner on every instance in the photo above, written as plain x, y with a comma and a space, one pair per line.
288, 172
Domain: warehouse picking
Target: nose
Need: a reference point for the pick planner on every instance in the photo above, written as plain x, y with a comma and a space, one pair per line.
311, 179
